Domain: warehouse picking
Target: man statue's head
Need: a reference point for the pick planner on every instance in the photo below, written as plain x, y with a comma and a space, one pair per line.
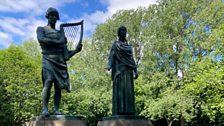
52, 13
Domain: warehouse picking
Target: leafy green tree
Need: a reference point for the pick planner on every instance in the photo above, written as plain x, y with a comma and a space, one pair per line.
177, 44
172, 106
20, 83
171, 36
91, 86
204, 82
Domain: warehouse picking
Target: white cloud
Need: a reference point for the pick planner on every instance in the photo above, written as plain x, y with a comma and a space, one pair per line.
98, 17
92, 20
14, 26
31, 28
13, 29
26, 27
115, 5
20, 27
34, 7
5, 39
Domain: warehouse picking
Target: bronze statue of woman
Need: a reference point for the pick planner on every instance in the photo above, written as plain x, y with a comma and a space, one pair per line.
123, 66
54, 56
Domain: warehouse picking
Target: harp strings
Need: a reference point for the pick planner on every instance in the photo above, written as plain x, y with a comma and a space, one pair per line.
71, 35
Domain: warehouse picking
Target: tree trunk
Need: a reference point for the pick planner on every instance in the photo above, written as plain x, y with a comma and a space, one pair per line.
169, 123
182, 122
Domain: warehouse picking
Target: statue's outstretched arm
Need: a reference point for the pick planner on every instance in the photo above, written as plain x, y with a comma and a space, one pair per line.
111, 58
73, 52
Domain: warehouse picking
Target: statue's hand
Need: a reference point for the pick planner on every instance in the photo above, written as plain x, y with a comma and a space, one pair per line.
63, 40
108, 68
79, 48
136, 74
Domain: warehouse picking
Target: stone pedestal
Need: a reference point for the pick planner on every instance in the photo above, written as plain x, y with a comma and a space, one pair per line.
124, 120
57, 120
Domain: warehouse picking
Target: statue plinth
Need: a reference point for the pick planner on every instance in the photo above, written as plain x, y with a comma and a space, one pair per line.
124, 120
57, 120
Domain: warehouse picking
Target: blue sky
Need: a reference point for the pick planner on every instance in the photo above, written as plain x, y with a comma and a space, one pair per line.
20, 18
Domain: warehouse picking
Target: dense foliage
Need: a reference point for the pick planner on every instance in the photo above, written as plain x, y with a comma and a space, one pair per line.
178, 46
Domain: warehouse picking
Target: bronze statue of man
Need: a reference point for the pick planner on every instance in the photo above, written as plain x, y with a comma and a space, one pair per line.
54, 67
123, 66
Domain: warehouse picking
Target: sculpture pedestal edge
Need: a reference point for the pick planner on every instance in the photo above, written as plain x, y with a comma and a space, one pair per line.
124, 120
57, 120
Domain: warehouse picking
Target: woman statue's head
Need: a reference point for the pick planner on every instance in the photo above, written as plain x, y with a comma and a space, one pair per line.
122, 31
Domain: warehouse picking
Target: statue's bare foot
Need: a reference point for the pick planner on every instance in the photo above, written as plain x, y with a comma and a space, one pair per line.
58, 113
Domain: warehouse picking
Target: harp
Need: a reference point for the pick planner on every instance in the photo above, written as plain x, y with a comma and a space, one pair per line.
74, 34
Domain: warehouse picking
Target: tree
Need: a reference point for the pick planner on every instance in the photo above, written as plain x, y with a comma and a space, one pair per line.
175, 34
20, 81
204, 83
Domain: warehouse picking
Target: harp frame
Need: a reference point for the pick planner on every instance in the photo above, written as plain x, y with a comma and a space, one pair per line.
62, 26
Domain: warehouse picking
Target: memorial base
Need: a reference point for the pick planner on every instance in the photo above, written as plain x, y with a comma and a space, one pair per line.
57, 120
124, 120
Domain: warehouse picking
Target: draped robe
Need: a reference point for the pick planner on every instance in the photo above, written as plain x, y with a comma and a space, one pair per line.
122, 63
53, 61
